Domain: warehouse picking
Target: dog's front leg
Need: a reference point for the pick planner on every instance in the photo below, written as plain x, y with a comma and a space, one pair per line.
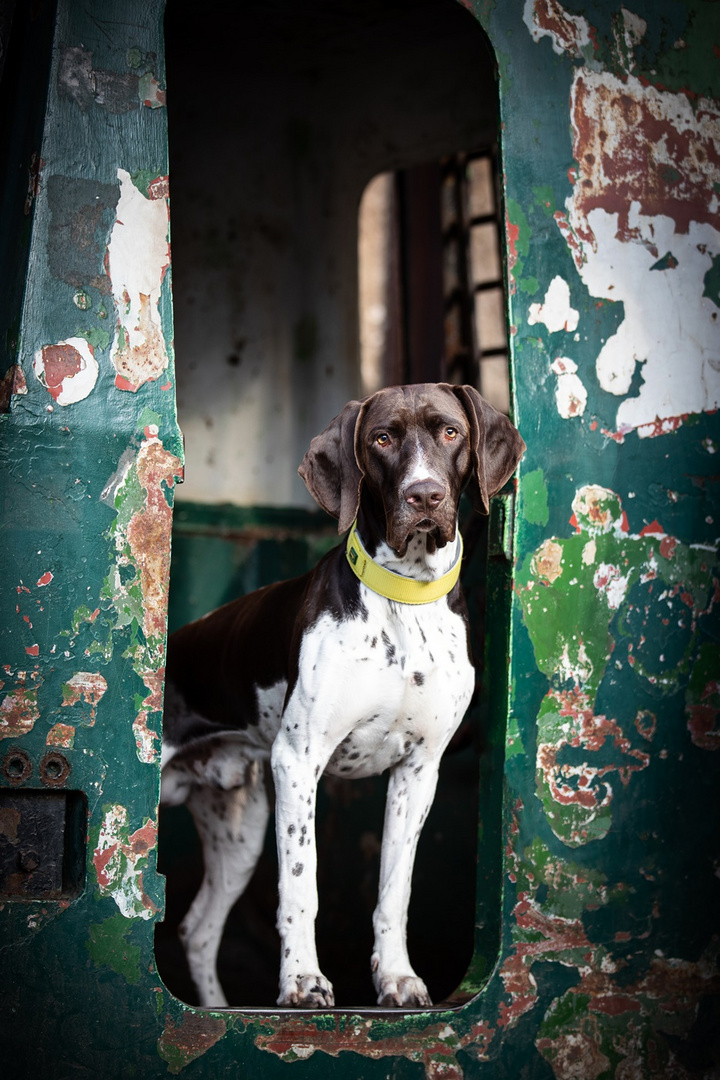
410, 794
295, 770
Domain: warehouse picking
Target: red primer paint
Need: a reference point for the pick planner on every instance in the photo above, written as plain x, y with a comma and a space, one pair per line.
60, 362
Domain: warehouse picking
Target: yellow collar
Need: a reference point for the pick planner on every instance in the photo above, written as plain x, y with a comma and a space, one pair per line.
394, 586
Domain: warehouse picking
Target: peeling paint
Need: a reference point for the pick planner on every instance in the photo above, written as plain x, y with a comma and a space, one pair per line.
138, 257
86, 686
555, 312
181, 1043
602, 1021
119, 859
435, 1045
68, 370
577, 797
19, 707
599, 973
645, 150
570, 395
568, 33
149, 92
649, 168
570, 590
607, 1022
116, 92
138, 582
61, 735
13, 382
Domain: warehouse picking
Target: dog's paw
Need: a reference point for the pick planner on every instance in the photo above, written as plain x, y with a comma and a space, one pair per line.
307, 992
402, 992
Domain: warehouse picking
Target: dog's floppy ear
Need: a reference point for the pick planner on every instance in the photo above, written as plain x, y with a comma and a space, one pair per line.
330, 468
496, 447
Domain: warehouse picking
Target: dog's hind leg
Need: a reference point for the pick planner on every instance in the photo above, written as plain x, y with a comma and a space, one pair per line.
232, 825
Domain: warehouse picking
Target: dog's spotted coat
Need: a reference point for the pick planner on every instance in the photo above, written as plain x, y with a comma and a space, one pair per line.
323, 675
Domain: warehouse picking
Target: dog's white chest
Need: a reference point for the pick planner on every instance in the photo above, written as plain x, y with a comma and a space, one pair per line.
384, 687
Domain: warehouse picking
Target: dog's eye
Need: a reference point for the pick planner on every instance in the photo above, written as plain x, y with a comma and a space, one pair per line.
382, 439
451, 433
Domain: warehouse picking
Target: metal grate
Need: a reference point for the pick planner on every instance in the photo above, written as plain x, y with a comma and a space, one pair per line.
476, 347
432, 298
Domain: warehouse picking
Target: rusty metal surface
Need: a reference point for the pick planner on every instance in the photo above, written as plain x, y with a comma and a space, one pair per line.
609, 909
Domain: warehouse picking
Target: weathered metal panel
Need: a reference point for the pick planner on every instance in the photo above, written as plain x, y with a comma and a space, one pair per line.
608, 919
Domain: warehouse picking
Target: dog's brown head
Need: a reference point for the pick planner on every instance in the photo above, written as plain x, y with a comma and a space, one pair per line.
407, 452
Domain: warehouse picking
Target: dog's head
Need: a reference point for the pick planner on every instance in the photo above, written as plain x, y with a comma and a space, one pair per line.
407, 452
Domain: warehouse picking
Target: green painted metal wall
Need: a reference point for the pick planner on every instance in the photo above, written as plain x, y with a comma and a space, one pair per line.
609, 927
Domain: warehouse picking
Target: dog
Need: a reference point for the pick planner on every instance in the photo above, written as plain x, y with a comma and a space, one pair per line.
359, 666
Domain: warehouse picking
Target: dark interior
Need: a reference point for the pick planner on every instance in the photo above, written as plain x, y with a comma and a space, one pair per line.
376, 85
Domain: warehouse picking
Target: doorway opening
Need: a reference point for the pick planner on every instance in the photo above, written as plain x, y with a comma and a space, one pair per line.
280, 115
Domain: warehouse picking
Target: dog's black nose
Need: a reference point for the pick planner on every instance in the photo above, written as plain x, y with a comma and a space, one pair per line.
425, 495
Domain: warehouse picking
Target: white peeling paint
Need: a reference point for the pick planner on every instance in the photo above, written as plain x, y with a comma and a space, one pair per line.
579, 667
138, 256
119, 860
568, 33
609, 580
555, 311
589, 553
666, 349
68, 370
633, 30
146, 740
570, 393
668, 326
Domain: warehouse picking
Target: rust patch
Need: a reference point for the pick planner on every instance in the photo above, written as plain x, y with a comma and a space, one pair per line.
68, 370
595, 1022
575, 1055
182, 1043
138, 256
434, 1046
140, 492
585, 785
12, 382
548, 937
636, 144
569, 33
86, 686
62, 735
60, 362
149, 532
19, 708
119, 859
148, 535
138, 363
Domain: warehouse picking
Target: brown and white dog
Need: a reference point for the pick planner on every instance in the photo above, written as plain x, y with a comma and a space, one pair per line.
359, 666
